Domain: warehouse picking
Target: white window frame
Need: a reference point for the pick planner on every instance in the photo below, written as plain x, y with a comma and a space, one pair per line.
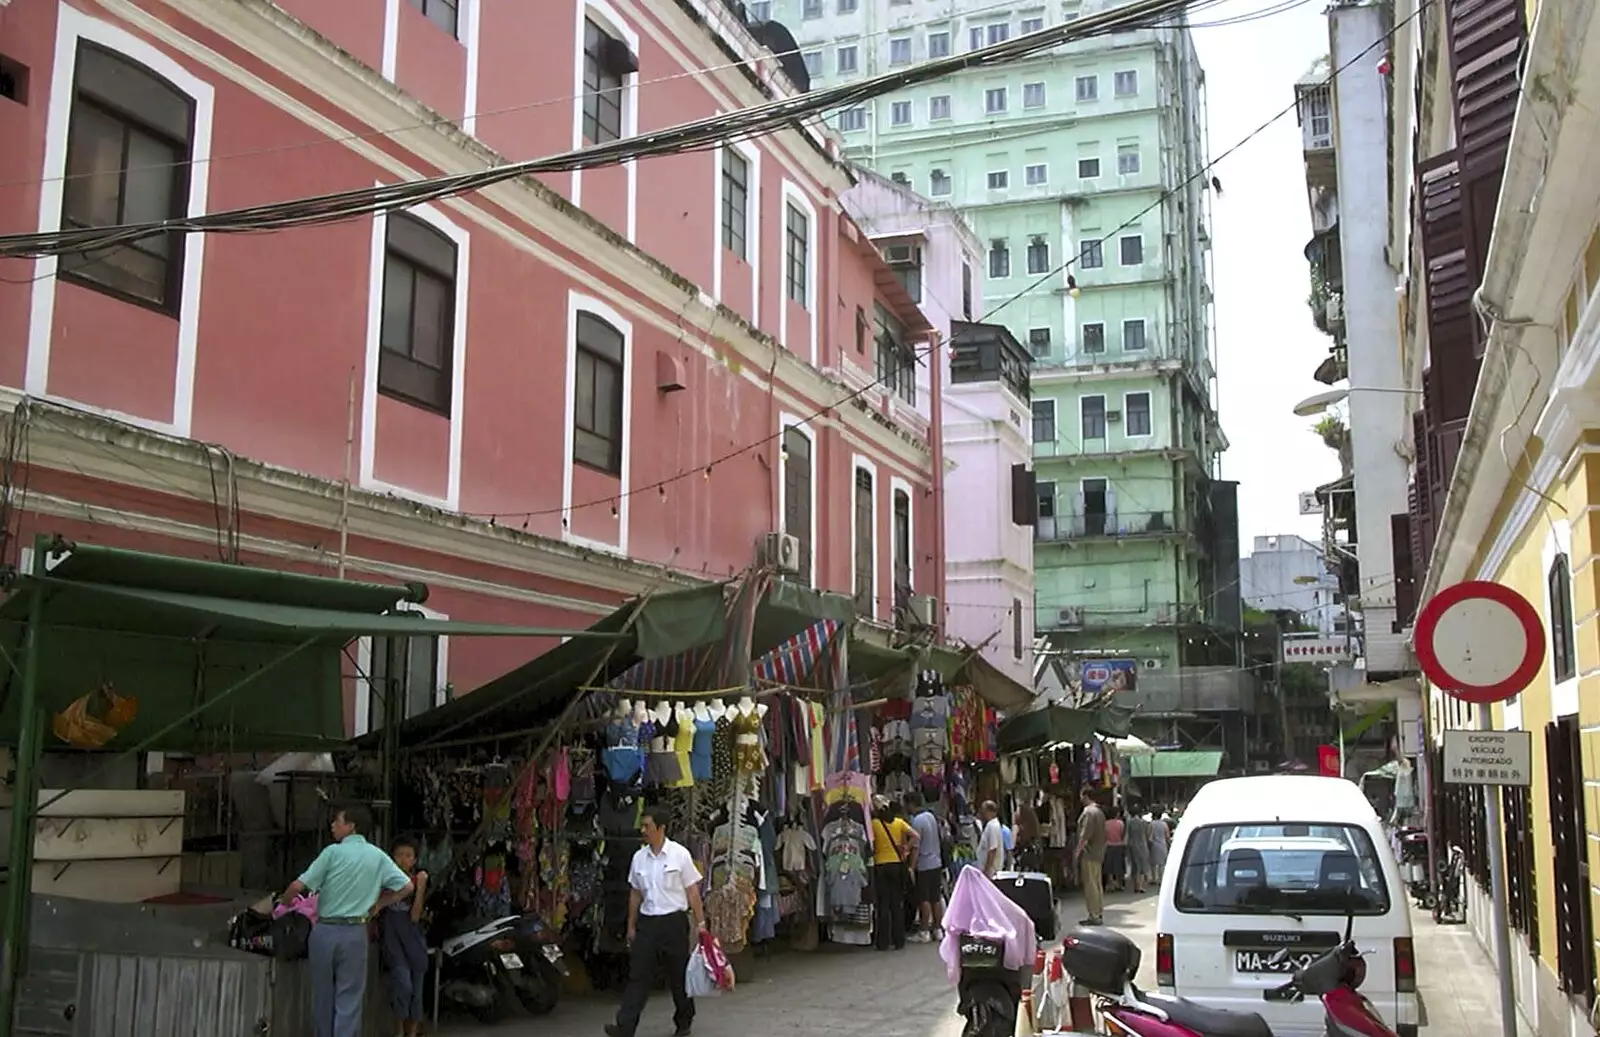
948, 181
1028, 25
900, 42
361, 722
1044, 174
1039, 91
787, 421
1093, 93
578, 303
792, 194
1097, 167
1129, 151
948, 108
1116, 83
1563, 694
853, 119
899, 485
855, 59
1126, 237
990, 94
752, 237
73, 26
1100, 252
611, 21
946, 52
367, 464
898, 108
1027, 261
1150, 413
860, 462
1083, 338
1055, 420
812, 59
1105, 431
1004, 182
1144, 335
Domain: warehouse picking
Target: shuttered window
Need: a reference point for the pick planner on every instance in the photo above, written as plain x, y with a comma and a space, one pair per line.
797, 494
1521, 888
866, 527
1574, 928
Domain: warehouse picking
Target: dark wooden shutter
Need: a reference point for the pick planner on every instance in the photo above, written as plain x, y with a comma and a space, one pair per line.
1405, 583
1451, 282
866, 532
1024, 496
1521, 886
797, 494
1574, 931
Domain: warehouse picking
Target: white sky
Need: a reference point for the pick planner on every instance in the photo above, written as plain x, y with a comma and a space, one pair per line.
1266, 346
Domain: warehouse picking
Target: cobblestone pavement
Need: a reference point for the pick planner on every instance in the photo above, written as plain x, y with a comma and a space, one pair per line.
855, 992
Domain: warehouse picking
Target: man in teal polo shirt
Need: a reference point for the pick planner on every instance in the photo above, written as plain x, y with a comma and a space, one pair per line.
353, 880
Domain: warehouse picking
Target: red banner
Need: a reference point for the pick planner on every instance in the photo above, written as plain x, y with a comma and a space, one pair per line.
1328, 760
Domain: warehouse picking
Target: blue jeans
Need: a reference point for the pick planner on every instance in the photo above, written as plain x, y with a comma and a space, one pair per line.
405, 961
338, 962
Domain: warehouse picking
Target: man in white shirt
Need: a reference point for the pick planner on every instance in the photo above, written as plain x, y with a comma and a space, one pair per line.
992, 843
664, 892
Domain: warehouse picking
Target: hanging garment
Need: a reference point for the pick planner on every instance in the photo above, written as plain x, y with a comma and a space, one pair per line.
683, 749
700, 767
748, 756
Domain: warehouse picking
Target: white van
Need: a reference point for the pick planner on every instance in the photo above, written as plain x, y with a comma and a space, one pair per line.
1266, 863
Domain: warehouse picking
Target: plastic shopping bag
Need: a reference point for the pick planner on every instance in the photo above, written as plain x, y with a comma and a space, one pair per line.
697, 979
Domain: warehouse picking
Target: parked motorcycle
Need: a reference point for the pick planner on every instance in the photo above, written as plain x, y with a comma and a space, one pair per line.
512, 958
1105, 962
1414, 864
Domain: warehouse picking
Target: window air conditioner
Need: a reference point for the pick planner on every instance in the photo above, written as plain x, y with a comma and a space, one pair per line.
1071, 616
1113, 416
924, 609
780, 551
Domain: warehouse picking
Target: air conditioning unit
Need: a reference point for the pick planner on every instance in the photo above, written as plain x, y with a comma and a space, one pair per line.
779, 551
924, 609
1151, 664
902, 254
1113, 416
1071, 616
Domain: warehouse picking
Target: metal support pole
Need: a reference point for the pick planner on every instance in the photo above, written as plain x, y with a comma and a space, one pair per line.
24, 806
1500, 930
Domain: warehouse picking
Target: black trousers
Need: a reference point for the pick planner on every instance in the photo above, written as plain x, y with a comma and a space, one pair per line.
659, 940
889, 905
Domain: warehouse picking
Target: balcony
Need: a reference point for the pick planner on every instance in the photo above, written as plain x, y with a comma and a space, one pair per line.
1124, 525
1314, 110
989, 353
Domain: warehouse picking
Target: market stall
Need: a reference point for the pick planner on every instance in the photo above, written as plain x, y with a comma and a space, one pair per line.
750, 715
130, 653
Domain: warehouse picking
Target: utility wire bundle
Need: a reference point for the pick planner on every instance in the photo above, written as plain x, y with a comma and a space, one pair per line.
700, 134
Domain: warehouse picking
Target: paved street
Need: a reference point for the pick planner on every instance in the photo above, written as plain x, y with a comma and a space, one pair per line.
845, 992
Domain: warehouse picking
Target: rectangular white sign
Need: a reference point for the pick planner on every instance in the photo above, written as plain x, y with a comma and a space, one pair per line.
1488, 758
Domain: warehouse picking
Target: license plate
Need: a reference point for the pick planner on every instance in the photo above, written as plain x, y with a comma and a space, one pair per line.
1262, 961
511, 961
551, 952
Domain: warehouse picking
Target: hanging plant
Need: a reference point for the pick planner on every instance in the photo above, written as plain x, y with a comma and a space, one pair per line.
1333, 433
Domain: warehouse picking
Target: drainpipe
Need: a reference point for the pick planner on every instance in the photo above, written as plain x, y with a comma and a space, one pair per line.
936, 447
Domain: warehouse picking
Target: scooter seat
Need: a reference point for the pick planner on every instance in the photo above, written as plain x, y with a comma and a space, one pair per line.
1210, 1022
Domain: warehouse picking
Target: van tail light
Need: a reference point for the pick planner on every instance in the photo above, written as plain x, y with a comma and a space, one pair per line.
1165, 972
503, 944
1405, 966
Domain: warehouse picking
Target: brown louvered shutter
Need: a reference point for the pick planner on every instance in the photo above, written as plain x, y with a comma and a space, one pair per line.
1574, 931
1451, 281
1405, 587
797, 494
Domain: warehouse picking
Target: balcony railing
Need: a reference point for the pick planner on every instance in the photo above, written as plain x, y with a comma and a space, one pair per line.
1123, 525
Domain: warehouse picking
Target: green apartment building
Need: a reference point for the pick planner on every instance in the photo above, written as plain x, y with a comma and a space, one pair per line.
1094, 152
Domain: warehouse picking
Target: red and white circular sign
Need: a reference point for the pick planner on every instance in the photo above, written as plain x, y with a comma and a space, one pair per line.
1479, 642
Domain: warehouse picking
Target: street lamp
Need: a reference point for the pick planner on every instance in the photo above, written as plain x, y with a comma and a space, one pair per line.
1315, 404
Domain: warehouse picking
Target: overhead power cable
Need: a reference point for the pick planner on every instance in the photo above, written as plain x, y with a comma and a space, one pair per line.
699, 134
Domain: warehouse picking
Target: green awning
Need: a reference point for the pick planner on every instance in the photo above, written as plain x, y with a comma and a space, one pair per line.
1053, 725
220, 657
1193, 764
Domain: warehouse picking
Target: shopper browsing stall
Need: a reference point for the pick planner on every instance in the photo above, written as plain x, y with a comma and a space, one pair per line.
894, 849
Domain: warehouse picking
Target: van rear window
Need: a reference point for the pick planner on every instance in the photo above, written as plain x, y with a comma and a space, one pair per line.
1281, 868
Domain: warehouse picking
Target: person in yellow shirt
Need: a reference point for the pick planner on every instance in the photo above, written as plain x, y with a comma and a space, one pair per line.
894, 847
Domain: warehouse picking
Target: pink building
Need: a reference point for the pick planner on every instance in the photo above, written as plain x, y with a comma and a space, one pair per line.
545, 396
983, 411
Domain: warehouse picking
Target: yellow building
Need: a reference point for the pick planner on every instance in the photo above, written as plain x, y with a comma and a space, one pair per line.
1523, 510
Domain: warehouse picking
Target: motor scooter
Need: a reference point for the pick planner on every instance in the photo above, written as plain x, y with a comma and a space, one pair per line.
515, 957
1413, 845
1105, 962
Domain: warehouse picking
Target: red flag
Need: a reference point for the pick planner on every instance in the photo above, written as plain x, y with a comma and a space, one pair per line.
1328, 760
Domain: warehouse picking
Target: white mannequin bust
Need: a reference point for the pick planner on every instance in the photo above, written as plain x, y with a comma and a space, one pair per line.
747, 705
702, 712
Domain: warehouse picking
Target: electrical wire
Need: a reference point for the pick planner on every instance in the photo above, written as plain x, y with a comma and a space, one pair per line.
701, 134
1133, 16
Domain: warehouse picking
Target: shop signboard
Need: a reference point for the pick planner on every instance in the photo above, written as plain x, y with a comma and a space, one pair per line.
1110, 675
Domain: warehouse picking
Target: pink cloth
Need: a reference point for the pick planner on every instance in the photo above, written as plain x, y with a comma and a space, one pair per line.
300, 905
978, 908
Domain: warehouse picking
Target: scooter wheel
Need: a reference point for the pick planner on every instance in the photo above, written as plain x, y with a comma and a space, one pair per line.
541, 1003
491, 1014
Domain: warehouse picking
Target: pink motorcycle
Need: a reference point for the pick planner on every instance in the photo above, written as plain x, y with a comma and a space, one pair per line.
1105, 962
